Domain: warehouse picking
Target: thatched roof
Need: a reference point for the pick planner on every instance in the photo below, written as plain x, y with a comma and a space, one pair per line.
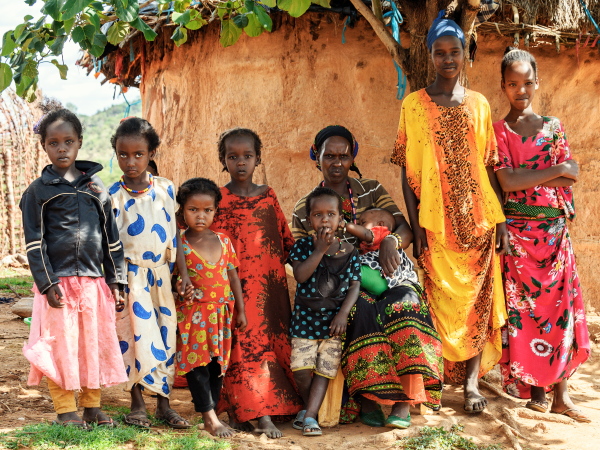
542, 21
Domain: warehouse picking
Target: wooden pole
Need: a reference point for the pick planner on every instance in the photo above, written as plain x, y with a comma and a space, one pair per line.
10, 196
377, 9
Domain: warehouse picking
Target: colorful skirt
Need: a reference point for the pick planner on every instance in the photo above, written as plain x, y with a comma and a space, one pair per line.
392, 352
546, 339
75, 346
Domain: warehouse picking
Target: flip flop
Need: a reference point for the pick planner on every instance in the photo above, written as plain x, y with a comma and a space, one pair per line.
575, 414
72, 423
471, 403
299, 420
311, 424
171, 417
537, 406
398, 422
137, 419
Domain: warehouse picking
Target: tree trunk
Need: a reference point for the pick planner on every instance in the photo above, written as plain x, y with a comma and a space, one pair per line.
10, 197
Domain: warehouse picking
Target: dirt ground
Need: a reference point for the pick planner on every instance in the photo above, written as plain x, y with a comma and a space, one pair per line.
21, 404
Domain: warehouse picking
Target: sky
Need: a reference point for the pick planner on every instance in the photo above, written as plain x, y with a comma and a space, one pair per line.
84, 92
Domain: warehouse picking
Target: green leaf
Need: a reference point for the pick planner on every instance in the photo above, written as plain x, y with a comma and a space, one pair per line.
19, 31
92, 17
181, 19
40, 22
179, 36
148, 32
52, 8
68, 25
73, 7
99, 40
62, 68
78, 34
97, 6
30, 2
221, 11
23, 37
323, 3
195, 24
229, 33
27, 18
90, 31
117, 32
128, 12
30, 70
263, 18
295, 8
249, 5
8, 45
57, 46
269, 3
5, 76
254, 27
240, 21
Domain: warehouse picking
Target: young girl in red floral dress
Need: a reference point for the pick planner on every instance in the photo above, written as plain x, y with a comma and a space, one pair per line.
205, 315
546, 339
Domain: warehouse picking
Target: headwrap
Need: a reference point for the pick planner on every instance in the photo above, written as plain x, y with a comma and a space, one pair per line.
444, 27
36, 127
330, 131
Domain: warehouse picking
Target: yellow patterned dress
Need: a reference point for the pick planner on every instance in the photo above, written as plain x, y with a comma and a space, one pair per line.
445, 151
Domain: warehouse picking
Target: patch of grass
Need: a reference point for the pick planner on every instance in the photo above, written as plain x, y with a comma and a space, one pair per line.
52, 437
432, 438
118, 413
21, 282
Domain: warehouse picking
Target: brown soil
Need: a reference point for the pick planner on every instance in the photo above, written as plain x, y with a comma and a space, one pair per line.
21, 405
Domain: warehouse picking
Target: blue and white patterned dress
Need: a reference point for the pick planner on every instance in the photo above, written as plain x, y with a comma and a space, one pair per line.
147, 326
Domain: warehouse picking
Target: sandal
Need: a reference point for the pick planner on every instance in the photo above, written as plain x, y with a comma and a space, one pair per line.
575, 414
398, 422
537, 406
311, 424
299, 420
137, 419
104, 423
72, 423
171, 417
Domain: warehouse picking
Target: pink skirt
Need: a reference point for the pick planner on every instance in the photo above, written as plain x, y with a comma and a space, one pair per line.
75, 346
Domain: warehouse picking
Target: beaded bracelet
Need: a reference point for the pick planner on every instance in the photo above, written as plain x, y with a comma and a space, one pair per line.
397, 238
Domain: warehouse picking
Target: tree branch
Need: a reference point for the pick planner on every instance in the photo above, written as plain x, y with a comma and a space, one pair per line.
377, 9
398, 53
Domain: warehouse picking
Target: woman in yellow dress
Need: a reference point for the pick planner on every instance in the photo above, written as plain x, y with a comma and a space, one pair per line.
447, 150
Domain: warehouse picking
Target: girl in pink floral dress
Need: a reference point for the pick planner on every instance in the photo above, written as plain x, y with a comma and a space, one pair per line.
546, 339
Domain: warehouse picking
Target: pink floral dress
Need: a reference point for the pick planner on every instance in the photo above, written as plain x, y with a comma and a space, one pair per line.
546, 338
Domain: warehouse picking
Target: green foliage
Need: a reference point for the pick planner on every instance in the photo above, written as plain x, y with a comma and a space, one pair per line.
21, 282
432, 438
31, 43
46, 436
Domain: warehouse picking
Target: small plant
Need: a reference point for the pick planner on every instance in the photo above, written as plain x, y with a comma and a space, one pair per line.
433, 438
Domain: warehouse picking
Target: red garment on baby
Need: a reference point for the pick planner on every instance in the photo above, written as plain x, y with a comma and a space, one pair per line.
379, 233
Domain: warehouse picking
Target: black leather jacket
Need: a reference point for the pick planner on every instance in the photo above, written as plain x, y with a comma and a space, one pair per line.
70, 229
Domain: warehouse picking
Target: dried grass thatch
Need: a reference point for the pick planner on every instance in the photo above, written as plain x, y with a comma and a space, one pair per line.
562, 15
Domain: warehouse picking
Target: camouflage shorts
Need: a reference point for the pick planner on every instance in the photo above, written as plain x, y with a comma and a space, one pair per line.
322, 356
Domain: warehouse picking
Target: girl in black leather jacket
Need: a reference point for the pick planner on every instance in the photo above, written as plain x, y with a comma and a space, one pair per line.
77, 263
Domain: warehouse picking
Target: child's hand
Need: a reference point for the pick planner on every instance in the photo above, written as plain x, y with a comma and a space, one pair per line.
571, 169
185, 287
241, 322
53, 295
323, 239
338, 325
502, 239
117, 297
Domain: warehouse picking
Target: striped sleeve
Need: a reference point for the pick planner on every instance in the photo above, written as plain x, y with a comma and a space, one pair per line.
375, 196
300, 227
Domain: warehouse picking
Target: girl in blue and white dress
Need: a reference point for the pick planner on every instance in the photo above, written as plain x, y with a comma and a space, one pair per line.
144, 207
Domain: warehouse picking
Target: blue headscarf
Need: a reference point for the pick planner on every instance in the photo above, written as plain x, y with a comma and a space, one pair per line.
444, 27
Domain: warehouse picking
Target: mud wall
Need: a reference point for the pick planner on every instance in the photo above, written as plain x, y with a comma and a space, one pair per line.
289, 84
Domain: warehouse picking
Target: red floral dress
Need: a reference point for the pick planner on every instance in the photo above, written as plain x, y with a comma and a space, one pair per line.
546, 338
205, 325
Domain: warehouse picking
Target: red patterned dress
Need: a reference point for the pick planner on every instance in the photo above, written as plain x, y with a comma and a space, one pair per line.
205, 325
546, 338
259, 381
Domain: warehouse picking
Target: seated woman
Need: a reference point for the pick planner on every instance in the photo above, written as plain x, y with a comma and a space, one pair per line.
392, 353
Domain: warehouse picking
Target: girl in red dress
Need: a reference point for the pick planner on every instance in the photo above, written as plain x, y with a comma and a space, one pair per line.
204, 316
259, 383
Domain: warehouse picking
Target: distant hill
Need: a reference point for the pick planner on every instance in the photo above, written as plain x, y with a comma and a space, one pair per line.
96, 137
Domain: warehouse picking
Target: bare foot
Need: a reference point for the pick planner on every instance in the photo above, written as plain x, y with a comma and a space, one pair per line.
562, 404
214, 426
240, 426
474, 401
95, 415
265, 425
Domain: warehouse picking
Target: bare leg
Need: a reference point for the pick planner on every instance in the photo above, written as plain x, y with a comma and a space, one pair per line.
538, 396
474, 401
214, 426
138, 415
562, 402
303, 379
318, 389
400, 409
367, 405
